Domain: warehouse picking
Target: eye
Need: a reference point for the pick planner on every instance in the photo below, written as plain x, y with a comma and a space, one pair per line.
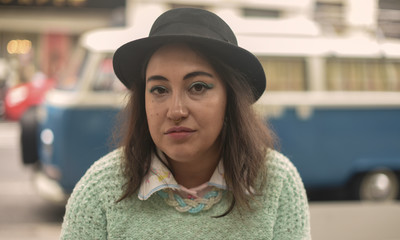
199, 87
158, 90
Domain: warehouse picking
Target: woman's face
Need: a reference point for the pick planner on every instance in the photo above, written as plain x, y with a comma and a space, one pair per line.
185, 104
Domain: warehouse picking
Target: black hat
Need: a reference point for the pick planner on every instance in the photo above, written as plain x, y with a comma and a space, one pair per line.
190, 25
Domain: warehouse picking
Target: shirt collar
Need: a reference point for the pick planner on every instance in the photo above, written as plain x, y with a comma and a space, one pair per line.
160, 177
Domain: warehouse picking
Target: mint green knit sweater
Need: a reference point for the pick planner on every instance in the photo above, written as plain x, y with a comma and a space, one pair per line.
91, 213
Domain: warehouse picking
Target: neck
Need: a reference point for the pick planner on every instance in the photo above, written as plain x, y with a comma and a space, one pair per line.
194, 173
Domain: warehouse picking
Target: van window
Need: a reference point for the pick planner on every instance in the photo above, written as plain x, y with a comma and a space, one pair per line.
285, 73
105, 79
362, 74
69, 79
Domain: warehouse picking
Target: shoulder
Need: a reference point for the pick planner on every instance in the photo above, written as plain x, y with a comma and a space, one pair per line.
96, 191
286, 191
108, 163
279, 164
105, 174
281, 174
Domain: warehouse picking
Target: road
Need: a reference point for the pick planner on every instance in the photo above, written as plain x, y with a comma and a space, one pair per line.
24, 215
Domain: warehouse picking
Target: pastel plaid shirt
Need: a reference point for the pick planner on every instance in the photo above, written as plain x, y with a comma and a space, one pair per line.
160, 177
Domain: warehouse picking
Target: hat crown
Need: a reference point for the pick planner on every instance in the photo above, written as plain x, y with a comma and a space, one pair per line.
193, 22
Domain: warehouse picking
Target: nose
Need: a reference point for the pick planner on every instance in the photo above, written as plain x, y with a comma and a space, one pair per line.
177, 108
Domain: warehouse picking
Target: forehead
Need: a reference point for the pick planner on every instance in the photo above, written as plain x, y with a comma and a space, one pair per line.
177, 52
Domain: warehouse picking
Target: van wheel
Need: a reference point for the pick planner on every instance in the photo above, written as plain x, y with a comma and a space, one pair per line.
29, 132
378, 185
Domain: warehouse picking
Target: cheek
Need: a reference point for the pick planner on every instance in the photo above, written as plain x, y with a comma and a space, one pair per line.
216, 114
220, 108
150, 106
152, 114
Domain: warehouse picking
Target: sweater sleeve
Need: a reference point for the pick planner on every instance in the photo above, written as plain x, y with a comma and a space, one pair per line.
293, 220
85, 215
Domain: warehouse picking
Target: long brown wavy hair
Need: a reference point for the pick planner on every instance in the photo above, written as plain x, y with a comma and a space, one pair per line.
245, 137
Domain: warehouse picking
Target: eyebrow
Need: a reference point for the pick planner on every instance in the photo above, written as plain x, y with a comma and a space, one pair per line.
187, 76
197, 73
156, 77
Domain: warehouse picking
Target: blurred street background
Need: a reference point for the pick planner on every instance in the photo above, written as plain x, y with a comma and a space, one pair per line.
333, 82
23, 214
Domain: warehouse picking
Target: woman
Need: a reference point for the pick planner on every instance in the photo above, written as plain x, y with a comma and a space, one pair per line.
196, 162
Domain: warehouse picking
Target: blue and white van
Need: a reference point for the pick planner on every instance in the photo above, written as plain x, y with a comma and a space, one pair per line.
335, 105
333, 102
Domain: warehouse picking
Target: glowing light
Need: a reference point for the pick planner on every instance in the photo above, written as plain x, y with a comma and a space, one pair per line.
19, 46
77, 3
47, 136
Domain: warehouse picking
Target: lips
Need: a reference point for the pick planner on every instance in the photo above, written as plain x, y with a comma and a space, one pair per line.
179, 133
179, 130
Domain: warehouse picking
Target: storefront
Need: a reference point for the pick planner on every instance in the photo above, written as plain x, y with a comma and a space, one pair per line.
37, 37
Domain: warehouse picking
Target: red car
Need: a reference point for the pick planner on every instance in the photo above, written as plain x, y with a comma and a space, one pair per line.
21, 97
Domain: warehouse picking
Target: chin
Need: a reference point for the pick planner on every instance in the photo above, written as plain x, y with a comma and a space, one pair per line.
180, 157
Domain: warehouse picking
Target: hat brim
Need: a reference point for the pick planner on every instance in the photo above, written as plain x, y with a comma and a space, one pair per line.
129, 59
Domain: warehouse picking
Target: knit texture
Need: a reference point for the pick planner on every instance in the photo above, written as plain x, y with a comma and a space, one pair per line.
92, 212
